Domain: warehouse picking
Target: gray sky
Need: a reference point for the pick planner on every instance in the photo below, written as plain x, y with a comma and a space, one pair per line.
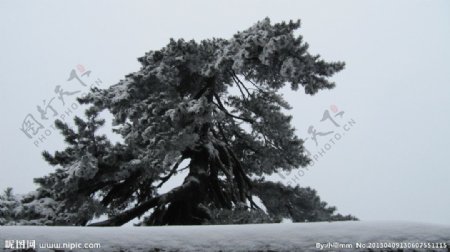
391, 164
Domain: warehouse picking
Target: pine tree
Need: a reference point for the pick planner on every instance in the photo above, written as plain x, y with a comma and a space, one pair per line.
296, 203
7, 205
180, 106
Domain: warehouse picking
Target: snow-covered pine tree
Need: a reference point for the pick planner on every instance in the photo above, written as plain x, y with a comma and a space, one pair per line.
295, 203
8, 202
179, 107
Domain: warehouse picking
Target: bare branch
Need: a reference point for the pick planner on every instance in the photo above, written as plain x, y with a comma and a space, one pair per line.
236, 78
222, 107
172, 172
239, 86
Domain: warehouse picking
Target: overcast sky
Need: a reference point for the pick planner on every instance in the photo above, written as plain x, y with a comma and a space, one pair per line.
384, 158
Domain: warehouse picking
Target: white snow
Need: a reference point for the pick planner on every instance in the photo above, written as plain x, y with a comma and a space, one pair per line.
286, 220
257, 237
259, 203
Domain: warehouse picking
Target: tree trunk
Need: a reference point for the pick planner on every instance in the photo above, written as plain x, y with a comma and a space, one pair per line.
187, 209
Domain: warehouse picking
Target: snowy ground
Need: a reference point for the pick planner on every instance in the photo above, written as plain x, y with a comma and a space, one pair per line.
262, 237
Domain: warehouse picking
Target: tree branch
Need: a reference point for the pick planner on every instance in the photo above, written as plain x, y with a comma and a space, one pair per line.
252, 203
222, 107
240, 89
237, 80
172, 172
240, 168
130, 214
119, 188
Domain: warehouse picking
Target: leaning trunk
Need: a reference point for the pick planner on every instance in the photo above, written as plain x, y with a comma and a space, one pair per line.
187, 208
